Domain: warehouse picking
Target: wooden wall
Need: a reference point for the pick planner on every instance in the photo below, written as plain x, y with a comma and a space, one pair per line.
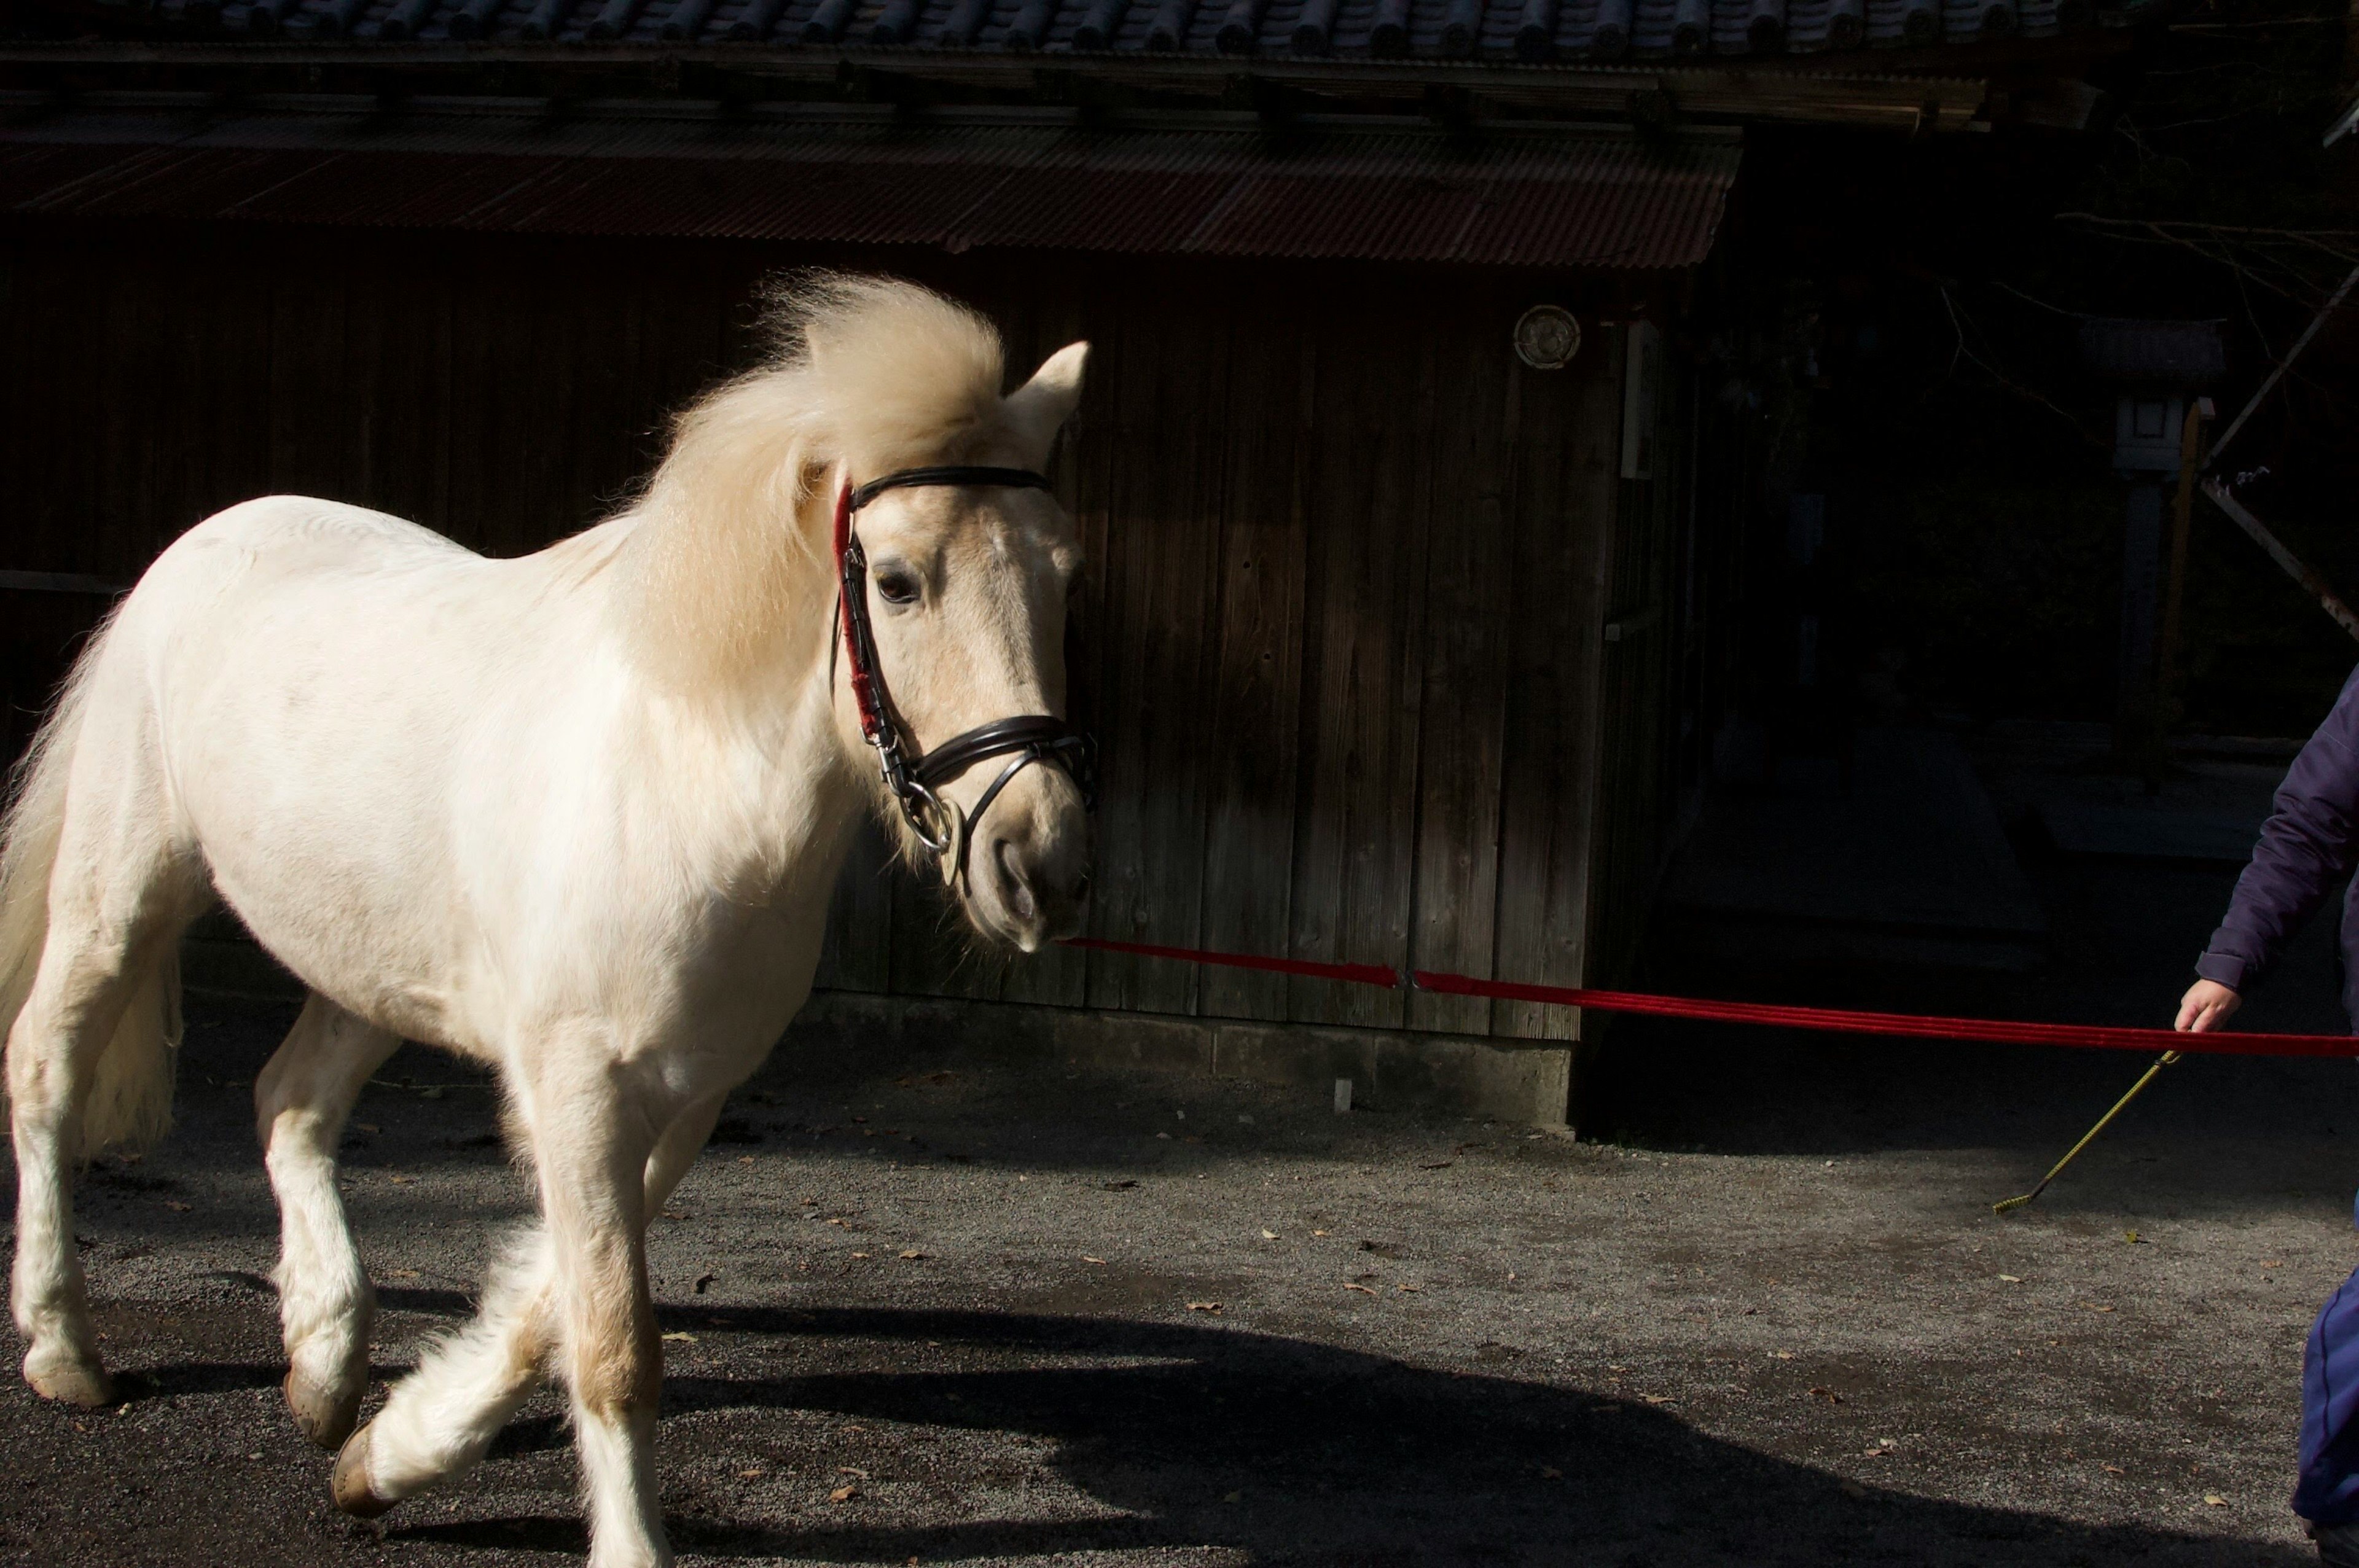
1349, 560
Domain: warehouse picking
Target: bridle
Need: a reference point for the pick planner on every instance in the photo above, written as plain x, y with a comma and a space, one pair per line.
914, 777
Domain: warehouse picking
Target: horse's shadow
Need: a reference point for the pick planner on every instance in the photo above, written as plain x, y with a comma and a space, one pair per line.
1297, 1452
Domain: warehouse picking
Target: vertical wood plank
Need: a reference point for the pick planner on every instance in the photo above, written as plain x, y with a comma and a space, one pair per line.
308, 402
1565, 517
1161, 603
858, 954
1255, 709
232, 368
1362, 673
474, 414
1465, 667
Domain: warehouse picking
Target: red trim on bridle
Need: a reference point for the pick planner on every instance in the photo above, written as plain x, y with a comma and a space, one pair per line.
851, 567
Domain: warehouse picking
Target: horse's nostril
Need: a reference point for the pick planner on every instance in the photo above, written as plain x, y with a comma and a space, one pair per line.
1080, 887
1019, 889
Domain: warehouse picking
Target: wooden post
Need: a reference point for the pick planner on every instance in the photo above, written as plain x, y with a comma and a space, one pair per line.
2134, 699
2165, 707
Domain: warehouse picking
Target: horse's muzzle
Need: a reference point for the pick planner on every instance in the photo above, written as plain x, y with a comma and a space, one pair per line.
1027, 875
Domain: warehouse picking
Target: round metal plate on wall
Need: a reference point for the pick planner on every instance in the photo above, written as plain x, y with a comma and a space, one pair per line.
1546, 336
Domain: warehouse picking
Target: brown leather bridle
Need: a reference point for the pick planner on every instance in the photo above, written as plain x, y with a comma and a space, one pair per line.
913, 776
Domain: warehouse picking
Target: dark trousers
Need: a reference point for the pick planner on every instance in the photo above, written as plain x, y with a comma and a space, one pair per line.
2327, 1490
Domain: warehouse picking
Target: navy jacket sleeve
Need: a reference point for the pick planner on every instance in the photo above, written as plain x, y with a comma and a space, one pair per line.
2305, 845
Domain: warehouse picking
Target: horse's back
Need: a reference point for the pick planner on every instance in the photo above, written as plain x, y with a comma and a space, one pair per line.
308, 623
292, 538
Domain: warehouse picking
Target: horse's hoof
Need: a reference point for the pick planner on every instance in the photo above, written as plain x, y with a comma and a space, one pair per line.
70, 1378
350, 1486
327, 1419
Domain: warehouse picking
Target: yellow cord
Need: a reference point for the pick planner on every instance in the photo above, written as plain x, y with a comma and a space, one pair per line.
2090, 1137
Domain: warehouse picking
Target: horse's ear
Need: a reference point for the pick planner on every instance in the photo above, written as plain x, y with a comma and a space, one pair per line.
1039, 408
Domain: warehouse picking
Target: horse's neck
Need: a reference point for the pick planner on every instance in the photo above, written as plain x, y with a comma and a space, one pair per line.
764, 796
733, 651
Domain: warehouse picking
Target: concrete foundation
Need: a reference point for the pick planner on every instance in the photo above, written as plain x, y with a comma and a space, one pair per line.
1390, 1070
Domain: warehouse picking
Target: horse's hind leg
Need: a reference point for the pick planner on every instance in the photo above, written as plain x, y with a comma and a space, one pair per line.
52, 1065
439, 1421
88, 1057
300, 1101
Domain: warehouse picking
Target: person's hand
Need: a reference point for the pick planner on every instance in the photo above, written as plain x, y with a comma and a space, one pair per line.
2207, 1005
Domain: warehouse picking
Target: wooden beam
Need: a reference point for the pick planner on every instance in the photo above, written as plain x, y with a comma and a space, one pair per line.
1822, 93
61, 582
2289, 563
2277, 374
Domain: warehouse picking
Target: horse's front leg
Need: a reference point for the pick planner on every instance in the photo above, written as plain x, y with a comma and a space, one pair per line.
440, 1420
592, 1145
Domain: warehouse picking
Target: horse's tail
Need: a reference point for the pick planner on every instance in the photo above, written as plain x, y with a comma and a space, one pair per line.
130, 1101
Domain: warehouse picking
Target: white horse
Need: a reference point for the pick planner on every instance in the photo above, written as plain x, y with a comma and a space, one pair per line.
575, 815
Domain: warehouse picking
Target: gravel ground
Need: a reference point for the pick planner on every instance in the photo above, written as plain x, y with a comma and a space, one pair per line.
940, 1309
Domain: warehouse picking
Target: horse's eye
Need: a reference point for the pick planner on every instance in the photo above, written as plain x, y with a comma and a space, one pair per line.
896, 588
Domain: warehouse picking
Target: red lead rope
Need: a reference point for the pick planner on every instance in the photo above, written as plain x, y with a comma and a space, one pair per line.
1831, 1020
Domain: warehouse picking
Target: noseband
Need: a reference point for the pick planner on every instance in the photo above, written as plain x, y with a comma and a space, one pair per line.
915, 776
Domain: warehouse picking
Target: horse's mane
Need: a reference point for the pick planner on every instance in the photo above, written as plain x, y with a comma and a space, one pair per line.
729, 553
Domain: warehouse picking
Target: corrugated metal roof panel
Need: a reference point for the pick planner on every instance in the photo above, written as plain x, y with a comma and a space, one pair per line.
1524, 198
29, 173
1137, 210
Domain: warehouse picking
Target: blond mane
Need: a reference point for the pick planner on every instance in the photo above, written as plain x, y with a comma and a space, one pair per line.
864, 375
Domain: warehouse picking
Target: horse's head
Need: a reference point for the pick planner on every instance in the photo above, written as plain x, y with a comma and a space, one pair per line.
960, 579
964, 591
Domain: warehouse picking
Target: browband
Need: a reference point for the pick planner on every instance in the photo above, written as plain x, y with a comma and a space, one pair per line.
949, 474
